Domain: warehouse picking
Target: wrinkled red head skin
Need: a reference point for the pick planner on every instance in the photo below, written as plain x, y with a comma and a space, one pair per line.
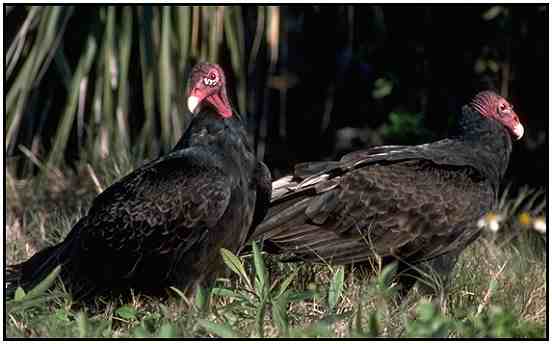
496, 107
208, 84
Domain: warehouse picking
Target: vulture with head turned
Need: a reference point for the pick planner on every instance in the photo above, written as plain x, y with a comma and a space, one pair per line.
417, 205
164, 223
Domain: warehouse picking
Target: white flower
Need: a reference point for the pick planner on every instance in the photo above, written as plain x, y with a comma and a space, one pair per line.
491, 221
494, 225
482, 222
539, 224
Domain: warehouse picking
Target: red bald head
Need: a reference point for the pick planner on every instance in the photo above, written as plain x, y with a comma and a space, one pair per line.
491, 105
207, 86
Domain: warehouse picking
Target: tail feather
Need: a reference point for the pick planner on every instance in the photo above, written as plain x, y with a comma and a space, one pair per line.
30, 272
286, 213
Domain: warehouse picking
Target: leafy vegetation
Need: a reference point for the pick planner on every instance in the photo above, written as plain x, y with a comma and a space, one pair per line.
405, 128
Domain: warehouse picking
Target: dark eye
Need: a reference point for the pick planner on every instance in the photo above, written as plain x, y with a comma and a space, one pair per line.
502, 107
212, 76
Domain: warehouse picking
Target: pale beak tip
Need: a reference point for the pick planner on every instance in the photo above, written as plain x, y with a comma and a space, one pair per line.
193, 103
518, 131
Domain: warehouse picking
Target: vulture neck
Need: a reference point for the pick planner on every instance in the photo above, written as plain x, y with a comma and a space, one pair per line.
210, 130
490, 142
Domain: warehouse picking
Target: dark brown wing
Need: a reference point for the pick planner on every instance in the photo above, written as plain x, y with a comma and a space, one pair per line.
139, 227
348, 211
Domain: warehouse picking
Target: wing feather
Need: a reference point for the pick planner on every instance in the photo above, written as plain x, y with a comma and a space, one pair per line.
412, 207
161, 209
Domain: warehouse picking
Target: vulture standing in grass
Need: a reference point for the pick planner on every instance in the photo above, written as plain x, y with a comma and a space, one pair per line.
164, 224
411, 204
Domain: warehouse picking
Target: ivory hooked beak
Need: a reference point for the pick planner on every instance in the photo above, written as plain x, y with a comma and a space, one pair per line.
193, 103
518, 131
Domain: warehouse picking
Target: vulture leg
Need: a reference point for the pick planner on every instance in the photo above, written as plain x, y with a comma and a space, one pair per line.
432, 277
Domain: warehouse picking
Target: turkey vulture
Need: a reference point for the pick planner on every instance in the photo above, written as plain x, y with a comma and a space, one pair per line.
411, 204
164, 223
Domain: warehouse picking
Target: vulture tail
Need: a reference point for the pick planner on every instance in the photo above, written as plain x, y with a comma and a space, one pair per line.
32, 271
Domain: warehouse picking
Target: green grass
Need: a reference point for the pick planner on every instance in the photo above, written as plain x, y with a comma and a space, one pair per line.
498, 289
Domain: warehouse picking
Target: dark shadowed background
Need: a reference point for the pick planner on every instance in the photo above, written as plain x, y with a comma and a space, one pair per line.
313, 82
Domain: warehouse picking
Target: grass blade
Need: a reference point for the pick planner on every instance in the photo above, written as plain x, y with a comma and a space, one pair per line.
221, 330
125, 48
64, 128
224, 292
260, 269
19, 294
109, 67
19, 92
215, 36
236, 55
179, 293
167, 331
126, 312
165, 76
285, 284
201, 299
183, 22
83, 325
336, 288
235, 264
45, 284
15, 50
145, 18
387, 275
280, 316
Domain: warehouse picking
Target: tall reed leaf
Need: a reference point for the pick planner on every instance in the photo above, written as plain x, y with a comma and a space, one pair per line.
165, 81
64, 128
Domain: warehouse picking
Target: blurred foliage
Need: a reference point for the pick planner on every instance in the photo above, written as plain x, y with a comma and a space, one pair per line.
405, 128
83, 82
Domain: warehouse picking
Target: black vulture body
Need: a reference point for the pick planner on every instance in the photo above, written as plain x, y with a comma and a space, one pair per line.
417, 205
164, 223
